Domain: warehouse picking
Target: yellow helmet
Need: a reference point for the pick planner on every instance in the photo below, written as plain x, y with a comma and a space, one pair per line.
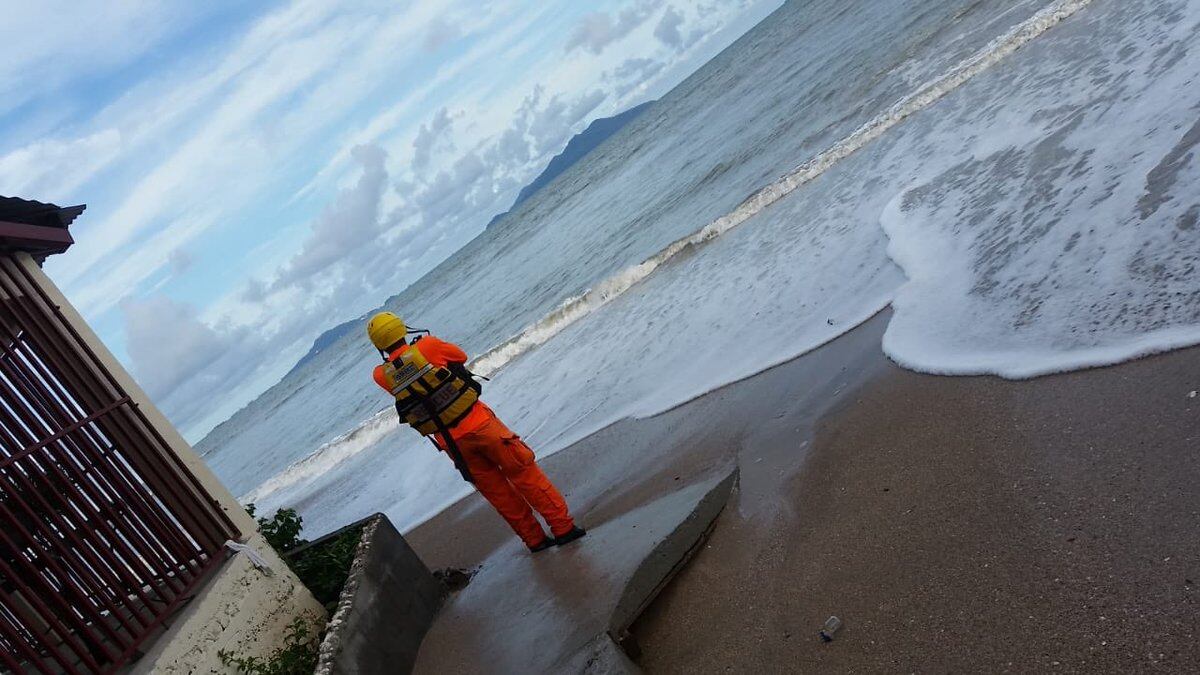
386, 329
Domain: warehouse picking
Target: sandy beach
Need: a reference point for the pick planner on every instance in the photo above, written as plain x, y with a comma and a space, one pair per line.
954, 523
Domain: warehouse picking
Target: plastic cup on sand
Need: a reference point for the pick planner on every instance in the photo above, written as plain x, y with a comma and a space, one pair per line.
832, 624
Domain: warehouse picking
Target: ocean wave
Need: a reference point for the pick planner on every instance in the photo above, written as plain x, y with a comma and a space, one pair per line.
925, 95
327, 456
340, 449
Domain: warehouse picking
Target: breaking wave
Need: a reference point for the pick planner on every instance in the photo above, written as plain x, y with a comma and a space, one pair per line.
601, 294
326, 456
573, 309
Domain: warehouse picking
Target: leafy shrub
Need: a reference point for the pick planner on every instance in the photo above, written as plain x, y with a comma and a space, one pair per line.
325, 566
282, 531
298, 655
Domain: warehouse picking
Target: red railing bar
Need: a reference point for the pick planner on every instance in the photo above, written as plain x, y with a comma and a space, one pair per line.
101, 494
81, 459
22, 645
54, 620
90, 577
53, 341
144, 549
128, 487
114, 577
76, 582
189, 507
10, 367
30, 449
230, 529
197, 524
82, 581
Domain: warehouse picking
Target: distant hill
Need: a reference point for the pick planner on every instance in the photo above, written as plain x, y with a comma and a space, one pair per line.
326, 339
580, 145
577, 148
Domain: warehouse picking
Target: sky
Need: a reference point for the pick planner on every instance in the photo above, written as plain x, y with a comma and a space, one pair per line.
256, 173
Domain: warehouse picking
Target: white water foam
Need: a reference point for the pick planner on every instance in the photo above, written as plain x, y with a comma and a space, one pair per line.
575, 308
535, 412
327, 456
1066, 234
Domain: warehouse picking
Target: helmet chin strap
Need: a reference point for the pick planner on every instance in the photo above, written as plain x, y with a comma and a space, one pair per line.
412, 331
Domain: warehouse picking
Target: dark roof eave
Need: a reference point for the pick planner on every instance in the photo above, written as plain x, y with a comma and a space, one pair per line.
36, 228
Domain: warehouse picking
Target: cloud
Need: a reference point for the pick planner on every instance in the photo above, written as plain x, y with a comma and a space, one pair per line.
350, 222
477, 62
597, 30
553, 126
182, 362
52, 44
356, 248
188, 157
54, 168
428, 137
543, 124
253, 291
512, 146
180, 261
633, 74
667, 30
269, 101
441, 33
634, 67
189, 365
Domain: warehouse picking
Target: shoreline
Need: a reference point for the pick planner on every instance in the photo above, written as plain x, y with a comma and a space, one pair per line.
961, 524
953, 523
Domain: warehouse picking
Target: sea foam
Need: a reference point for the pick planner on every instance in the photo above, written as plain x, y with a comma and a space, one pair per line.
1065, 235
574, 418
922, 97
1042, 217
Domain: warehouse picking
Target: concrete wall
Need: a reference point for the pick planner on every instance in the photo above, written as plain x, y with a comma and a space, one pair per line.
386, 607
239, 608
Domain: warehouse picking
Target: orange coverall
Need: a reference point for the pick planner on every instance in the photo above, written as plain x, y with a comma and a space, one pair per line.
501, 464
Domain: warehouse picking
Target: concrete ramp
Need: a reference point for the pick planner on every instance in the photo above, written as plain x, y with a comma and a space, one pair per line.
562, 610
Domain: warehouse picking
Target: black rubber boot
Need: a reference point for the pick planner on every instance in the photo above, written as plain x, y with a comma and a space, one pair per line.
546, 543
575, 533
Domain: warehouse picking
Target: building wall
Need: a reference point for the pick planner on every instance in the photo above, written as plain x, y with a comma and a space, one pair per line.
240, 608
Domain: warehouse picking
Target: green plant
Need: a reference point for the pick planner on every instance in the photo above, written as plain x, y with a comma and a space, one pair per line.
325, 566
297, 656
282, 531
322, 567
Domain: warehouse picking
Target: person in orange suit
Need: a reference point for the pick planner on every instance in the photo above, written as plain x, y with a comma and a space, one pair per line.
437, 396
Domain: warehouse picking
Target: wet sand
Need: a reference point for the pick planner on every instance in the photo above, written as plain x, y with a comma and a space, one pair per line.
954, 524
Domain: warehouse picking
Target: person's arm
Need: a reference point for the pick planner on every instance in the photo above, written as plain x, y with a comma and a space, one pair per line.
436, 349
380, 380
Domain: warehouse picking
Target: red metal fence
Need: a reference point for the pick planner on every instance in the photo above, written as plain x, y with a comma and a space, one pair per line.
103, 531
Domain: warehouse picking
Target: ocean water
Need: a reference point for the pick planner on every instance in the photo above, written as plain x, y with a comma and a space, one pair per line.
1015, 178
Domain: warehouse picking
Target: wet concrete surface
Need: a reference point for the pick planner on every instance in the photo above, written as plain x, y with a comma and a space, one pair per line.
628, 484
553, 612
965, 524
